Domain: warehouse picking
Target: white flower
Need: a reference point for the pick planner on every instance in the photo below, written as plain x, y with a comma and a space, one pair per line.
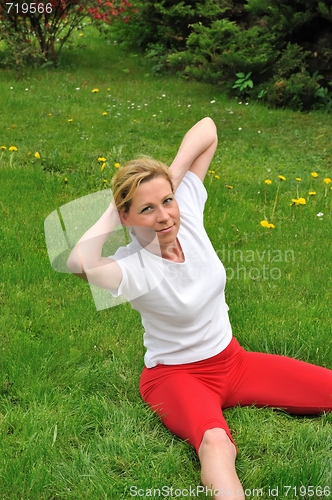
189, 105
259, 132
320, 214
240, 128
240, 102
164, 95
247, 103
212, 102
231, 112
77, 88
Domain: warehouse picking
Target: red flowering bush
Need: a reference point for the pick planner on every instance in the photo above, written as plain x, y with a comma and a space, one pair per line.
36, 31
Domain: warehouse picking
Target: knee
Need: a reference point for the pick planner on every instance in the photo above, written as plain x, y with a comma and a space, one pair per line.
217, 439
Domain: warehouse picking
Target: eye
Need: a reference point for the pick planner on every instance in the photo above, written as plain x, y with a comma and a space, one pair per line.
146, 209
168, 200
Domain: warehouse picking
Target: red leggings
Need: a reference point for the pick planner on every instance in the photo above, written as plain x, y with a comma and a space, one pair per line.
189, 398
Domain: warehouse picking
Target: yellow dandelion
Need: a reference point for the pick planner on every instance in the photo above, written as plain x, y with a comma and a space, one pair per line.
3, 148
268, 182
94, 91
216, 177
327, 180
49, 114
81, 34
229, 187
267, 224
101, 159
211, 171
103, 166
12, 148
301, 201
312, 193
105, 113
70, 120
105, 181
314, 175
298, 179
66, 179
281, 177
37, 155
117, 165
295, 201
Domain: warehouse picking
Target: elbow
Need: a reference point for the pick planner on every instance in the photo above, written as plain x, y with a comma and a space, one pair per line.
73, 262
71, 265
211, 126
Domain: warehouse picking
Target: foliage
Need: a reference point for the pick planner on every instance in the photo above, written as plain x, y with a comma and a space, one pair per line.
276, 41
243, 82
167, 23
37, 31
304, 40
215, 54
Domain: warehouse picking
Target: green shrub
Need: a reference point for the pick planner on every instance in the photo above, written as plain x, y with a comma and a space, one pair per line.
167, 23
282, 70
216, 53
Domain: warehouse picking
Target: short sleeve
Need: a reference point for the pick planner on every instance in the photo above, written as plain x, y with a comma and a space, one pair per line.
142, 271
133, 283
191, 196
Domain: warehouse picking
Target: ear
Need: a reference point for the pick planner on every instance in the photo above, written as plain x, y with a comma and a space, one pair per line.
123, 218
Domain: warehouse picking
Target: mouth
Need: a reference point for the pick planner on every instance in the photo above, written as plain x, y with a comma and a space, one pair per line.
166, 230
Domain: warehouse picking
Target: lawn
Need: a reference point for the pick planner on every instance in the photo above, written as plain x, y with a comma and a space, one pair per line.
72, 424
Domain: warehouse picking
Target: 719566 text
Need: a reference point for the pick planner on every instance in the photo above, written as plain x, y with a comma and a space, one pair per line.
29, 8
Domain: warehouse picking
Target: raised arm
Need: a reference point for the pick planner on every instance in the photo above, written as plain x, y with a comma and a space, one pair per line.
196, 151
85, 259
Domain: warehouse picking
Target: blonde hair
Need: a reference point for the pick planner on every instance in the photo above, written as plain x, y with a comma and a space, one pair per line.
129, 177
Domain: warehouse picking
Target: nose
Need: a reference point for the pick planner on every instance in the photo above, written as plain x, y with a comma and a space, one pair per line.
162, 214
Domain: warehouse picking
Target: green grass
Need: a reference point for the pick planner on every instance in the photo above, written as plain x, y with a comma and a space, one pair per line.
72, 424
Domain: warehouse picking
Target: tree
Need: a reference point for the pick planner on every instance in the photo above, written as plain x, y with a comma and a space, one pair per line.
37, 31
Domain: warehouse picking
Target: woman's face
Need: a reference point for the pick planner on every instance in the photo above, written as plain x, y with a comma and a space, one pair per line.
153, 211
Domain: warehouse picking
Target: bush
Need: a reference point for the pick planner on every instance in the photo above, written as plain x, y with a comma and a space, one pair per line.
167, 23
272, 45
216, 53
36, 32
282, 43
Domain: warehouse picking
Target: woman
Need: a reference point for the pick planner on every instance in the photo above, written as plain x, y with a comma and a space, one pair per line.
170, 273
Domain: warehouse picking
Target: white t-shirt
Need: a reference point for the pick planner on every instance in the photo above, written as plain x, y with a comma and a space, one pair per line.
183, 308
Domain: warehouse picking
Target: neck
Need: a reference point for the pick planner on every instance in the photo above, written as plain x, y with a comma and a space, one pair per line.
172, 252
